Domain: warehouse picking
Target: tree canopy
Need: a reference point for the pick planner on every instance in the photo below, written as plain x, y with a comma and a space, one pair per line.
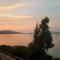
42, 41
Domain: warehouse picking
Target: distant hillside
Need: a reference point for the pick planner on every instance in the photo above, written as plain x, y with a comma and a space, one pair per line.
14, 32
9, 32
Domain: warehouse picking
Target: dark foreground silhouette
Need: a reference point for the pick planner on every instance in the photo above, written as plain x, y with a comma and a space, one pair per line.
38, 48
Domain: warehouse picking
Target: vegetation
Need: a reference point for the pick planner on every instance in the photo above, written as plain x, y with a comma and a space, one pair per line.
42, 42
37, 49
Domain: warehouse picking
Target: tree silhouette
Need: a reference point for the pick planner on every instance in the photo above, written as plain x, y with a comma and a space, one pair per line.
42, 42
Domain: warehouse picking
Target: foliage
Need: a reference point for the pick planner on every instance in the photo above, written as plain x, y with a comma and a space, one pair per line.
42, 41
20, 51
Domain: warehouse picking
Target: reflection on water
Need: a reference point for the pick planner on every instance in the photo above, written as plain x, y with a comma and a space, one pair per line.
25, 39
55, 51
15, 39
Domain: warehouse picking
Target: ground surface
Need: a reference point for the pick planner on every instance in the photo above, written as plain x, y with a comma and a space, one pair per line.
5, 57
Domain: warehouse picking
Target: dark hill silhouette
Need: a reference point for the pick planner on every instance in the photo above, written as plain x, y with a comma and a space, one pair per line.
9, 32
14, 32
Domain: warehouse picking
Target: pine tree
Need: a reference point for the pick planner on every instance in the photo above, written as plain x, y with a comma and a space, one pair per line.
45, 35
42, 41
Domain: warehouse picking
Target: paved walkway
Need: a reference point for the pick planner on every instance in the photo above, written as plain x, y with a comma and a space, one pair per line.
5, 57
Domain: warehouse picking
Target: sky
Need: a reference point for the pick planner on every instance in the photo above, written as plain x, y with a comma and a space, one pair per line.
22, 15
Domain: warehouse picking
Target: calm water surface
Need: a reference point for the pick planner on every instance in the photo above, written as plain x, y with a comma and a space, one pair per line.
25, 39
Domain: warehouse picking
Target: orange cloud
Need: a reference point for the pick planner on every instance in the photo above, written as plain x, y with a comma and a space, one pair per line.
18, 5
7, 17
20, 27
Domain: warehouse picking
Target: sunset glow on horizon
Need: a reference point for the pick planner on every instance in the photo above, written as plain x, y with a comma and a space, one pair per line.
17, 14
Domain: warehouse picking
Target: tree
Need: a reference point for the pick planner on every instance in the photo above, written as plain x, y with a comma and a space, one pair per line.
42, 41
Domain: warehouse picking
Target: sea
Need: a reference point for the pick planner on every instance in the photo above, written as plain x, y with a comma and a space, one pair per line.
25, 39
